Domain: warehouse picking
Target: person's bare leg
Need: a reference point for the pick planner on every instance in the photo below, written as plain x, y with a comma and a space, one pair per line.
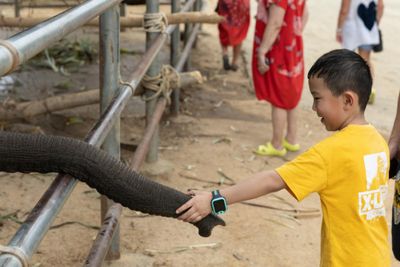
366, 55
278, 126
236, 54
291, 134
224, 50
225, 58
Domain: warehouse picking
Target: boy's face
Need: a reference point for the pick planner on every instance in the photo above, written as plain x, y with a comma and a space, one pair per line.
327, 106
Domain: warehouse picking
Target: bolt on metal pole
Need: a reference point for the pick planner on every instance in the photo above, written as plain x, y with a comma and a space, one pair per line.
175, 48
109, 83
152, 6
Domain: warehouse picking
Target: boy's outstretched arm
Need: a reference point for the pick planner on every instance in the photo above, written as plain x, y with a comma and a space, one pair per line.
260, 184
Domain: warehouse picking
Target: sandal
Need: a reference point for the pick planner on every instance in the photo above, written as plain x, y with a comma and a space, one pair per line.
371, 99
225, 61
290, 147
234, 67
270, 150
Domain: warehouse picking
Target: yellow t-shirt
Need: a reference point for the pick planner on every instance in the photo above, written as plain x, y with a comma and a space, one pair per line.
349, 170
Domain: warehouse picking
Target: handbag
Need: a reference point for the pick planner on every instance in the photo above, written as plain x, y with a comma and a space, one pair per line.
378, 47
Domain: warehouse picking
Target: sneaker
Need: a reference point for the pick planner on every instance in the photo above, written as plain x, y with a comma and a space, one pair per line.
269, 150
290, 147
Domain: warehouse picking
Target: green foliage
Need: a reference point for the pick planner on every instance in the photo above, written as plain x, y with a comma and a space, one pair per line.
66, 56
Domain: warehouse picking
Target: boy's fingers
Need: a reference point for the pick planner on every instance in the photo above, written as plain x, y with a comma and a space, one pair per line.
186, 215
184, 207
198, 219
192, 217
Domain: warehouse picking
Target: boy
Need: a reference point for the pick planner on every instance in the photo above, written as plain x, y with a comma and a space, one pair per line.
349, 169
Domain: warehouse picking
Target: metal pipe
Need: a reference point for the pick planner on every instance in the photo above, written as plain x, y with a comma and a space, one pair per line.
109, 81
186, 36
186, 51
152, 6
32, 41
175, 45
103, 240
17, 8
32, 231
108, 230
100, 246
151, 128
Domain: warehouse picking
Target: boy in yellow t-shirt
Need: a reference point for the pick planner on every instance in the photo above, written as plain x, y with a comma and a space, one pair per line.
349, 170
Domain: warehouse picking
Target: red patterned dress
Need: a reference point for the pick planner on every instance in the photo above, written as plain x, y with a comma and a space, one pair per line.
282, 84
237, 20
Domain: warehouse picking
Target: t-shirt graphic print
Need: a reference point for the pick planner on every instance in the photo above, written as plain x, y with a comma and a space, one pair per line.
371, 201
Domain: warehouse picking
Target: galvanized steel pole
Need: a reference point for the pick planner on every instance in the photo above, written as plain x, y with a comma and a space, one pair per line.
186, 35
175, 46
109, 83
152, 6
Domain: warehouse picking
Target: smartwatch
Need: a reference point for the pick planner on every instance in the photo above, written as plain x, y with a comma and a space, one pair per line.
218, 203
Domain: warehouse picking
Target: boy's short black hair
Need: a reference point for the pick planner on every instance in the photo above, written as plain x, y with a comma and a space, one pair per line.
343, 70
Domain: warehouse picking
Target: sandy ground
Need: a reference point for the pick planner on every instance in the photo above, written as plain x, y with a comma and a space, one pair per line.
219, 126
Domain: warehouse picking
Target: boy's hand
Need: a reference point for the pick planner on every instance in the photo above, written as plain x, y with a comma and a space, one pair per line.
196, 208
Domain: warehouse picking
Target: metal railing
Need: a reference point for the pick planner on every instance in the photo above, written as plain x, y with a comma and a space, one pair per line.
25, 45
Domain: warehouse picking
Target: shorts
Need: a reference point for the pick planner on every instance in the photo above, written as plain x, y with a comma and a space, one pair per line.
367, 48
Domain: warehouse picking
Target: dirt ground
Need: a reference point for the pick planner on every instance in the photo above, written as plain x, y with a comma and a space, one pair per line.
219, 126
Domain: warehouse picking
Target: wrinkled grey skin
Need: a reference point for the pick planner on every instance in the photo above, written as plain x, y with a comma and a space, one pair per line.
41, 153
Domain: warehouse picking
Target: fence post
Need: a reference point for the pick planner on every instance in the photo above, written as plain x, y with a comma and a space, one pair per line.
109, 83
175, 51
186, 34
17, 8
152, 6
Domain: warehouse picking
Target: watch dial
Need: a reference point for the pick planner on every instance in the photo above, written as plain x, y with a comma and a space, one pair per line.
219, 205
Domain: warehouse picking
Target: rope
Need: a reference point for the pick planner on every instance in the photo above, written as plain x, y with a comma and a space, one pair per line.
155, 22
163, 83
17, 252
14, 54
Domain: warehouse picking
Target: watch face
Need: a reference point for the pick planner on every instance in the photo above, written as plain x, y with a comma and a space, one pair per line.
219, 205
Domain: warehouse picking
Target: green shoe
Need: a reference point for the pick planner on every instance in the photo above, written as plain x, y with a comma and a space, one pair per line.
371, 99
291, 147
270, 150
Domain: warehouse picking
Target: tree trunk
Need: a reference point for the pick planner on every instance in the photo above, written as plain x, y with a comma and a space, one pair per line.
133, 21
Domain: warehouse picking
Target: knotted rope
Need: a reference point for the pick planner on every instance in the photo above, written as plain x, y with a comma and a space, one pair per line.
163, 83
155, 22
17, 252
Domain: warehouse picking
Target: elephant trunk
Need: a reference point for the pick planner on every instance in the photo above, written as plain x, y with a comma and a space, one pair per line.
93, 166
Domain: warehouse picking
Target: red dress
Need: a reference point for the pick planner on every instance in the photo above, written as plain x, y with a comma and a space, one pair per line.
237, 20
282, 84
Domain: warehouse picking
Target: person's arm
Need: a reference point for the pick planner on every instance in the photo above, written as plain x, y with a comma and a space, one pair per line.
344, 11
394, 139
260, 184
304, 19
379, 12
276, 15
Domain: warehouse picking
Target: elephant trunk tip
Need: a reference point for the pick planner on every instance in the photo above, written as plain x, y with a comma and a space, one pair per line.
207, 224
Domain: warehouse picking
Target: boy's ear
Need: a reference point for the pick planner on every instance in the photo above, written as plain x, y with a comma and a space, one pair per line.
350, 99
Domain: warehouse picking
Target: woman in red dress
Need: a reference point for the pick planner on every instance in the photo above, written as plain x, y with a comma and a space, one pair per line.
278, 68
234, 29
